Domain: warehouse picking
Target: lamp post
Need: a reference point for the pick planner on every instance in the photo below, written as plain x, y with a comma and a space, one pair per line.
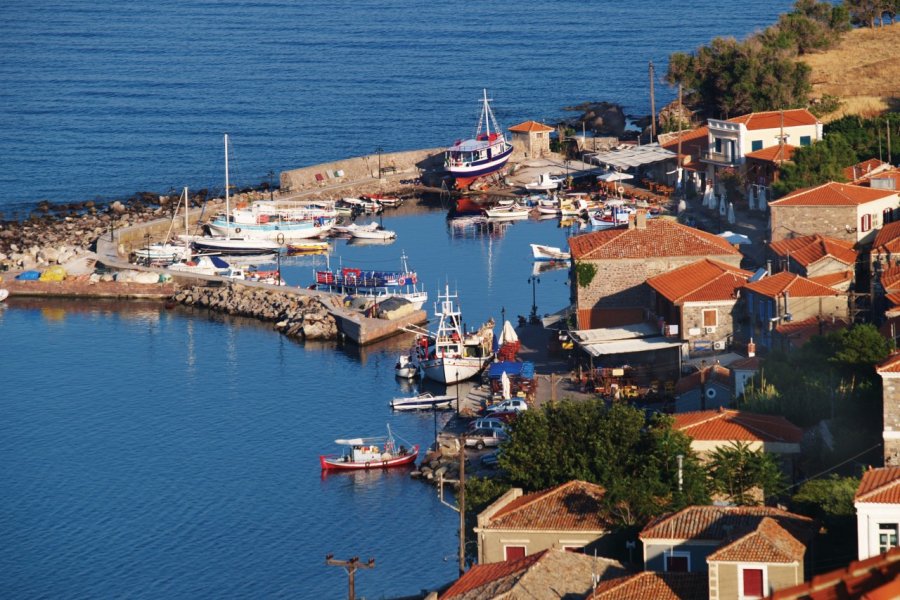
147, 245
379, 150
502, 315
533, 280
271, 189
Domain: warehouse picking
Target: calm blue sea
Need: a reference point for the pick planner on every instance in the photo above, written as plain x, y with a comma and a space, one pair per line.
172, 454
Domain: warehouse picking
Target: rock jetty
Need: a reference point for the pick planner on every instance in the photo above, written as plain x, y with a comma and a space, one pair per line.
298, 316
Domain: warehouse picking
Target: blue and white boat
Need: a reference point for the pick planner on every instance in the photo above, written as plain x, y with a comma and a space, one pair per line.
486, 153
279, 230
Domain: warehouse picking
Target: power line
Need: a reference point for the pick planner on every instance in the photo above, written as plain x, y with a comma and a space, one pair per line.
835, 466
350, 566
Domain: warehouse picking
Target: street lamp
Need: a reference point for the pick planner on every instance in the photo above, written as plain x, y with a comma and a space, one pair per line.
379, 150
271, 189
533, 280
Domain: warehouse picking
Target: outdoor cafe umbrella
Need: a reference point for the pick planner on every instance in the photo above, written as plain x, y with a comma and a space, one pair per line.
731, 213
750, 196
722, 210
504, 382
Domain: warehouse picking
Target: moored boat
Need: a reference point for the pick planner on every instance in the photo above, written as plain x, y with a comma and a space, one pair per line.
486, 153
406, 367
510, 212
540, 252
423, 401
369, 453
4, 294
374, 285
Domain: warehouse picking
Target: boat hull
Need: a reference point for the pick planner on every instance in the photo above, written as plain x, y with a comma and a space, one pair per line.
433, 404
236, 246
453, 370
276, 232
548, 253
336, 463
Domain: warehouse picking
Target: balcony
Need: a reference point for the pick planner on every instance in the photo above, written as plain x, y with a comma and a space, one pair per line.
720, 159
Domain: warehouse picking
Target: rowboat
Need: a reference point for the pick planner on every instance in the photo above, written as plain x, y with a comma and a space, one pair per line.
423, 401
369, 453
406, 367
309, 247
514, 211
540, 252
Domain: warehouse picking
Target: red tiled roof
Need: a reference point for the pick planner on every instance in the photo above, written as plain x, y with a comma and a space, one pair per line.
890, 277
722, 522
480, 575
860, 170
694, 135
887, 234
661, 238
715, 425
659, 586
713, 373
530, 126
876, 578
770, 543
892, 176
894, 299
800, 332
773, 119
833, 194
808, 249
574, 505
833, 279
798, 287
774, 154
879, 485
890, 365
704, 280
750, 363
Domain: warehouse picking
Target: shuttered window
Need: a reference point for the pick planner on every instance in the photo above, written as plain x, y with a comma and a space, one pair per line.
865, 223
515, 552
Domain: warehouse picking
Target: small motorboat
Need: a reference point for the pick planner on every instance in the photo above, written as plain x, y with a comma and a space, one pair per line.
308, 247
373, 233
386, 201
405, 367
423, 401
370, 453
4, 294
540, 252
546, 182
513, 211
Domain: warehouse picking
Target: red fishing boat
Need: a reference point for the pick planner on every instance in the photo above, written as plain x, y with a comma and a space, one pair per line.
370, 453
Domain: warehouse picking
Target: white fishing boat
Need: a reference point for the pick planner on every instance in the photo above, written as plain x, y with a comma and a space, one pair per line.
383, 200
206, 265
512, 212
423, 401
452, 354
548, 206
164, 253
406, 367
486, 153
545, 182
363, 204
233, 245
611, 217
376, 233
540, 252
4, 294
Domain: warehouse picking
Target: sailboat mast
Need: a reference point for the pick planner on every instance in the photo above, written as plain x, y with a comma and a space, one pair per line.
227, 205
187, 229
487, 114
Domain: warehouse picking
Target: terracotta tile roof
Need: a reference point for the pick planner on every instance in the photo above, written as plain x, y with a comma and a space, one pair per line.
704, 280
833, 194
894, 300
719, 523
797, 333
726, 424
890, 365
661, 238
531, 126
876, 578
550, 574
864, 168
833, 280
879, 485
750, 363
770, 543
890, 278
574, 505
597, 318
774, 154
659, 586
892, 176
713, 374
809, 249
798, 287
887, 234
772, 119
669, 141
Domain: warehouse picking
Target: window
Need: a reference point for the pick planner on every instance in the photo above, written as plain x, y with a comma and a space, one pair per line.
887, 536
539, 135
677, 564
756, 145
887, 215
805, 140
710, 318
752, 583
514, 552
865, 223
718, 145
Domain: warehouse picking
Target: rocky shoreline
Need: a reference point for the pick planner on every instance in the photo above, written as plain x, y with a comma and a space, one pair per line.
296, 316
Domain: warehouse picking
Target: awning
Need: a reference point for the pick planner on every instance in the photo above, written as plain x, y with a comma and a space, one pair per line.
612, 334
628, 346
633, 156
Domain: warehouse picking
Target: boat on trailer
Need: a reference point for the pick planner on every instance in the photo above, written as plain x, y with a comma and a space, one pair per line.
423, 401
370, 453
486, 153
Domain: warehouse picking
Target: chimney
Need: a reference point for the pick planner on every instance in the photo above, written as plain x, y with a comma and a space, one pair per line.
631, 222
768, 267
640, 219
751, 349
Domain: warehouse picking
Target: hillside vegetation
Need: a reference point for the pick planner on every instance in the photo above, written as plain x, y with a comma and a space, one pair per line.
863, 71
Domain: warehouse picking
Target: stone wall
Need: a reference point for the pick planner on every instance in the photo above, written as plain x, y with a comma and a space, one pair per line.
891, 402
692, 318
788, 222
360, 168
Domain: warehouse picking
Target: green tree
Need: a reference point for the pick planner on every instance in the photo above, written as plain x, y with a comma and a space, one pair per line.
635, 460
830, 502
741, 474
814, 165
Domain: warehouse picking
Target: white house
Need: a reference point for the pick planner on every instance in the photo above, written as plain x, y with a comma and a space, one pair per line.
877, 503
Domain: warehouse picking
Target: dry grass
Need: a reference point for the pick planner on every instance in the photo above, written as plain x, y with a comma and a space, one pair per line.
863, 71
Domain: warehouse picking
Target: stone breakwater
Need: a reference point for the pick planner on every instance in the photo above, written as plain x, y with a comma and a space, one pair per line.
297, 316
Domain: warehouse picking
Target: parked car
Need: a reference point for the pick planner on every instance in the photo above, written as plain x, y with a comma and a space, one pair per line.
506, 416
487, 423
484, 438
513, 404
491, 460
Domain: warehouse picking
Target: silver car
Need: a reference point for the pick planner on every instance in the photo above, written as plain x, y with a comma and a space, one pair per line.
486, 438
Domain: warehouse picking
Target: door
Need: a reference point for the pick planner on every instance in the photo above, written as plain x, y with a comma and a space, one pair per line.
753, 583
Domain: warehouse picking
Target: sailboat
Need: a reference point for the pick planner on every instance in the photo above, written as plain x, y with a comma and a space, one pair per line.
202, 264
486, 153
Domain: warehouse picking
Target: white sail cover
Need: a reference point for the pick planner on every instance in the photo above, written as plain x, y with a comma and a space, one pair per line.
731, 218
504, 382
508, 334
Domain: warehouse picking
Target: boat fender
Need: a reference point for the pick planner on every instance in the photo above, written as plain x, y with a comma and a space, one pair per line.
280, 239
237, 229
620, 189
367, 464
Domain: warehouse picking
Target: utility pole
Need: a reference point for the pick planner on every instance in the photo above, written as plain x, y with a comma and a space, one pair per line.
462, 507
652, 107
350, 566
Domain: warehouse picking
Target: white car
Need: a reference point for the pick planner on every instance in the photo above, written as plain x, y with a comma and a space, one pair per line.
511, 405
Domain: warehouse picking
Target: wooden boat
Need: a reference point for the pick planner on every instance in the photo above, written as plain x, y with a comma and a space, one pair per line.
511, 212
486, 153
423, 401
545, 181
386, 201
309, 247
406, 367
369, 453
540, 252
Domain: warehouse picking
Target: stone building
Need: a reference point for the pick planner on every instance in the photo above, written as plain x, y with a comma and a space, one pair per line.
837, 210
610, 268
825, 260
531, 139
890, 399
